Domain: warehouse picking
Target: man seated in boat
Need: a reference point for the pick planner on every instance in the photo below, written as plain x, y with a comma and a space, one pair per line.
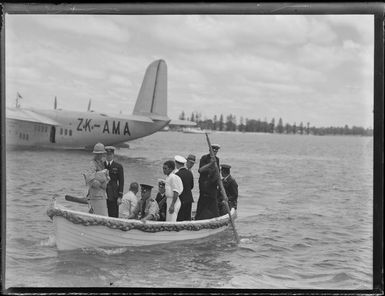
231, 188
129, 201
161, 199
146, 208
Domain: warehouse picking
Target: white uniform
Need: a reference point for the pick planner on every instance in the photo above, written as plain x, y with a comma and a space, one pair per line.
173, 184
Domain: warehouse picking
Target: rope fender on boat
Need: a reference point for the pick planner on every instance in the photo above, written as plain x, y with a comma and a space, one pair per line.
129, 225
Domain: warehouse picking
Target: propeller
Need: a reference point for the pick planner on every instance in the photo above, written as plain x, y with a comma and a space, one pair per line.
55, 103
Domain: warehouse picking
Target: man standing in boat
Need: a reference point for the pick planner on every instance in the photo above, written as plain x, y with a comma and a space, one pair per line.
207, 207
116, 184
185, 197
146, 208
231, 188
96, 177
190, 161
174, 188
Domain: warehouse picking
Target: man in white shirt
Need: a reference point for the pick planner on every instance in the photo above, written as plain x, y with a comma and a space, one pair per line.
174, 188
129, 201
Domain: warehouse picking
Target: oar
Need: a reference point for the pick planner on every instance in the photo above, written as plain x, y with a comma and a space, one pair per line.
220, 183
81, 200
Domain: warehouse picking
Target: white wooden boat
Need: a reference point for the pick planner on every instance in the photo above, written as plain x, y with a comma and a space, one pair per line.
75, 229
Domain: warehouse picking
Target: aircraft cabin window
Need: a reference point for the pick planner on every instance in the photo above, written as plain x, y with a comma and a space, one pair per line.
65, 132
70, 132
26, 137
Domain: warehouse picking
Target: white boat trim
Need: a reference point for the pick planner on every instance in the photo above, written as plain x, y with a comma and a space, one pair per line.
74, 229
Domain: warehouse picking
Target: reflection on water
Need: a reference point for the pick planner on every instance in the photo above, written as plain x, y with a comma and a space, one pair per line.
304, 220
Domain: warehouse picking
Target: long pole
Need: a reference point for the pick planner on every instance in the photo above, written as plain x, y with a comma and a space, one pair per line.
220, 183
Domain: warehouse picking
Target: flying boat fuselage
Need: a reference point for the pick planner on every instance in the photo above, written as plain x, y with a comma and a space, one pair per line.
73, 129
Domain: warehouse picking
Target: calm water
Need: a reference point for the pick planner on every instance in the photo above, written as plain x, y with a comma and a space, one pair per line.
304, 219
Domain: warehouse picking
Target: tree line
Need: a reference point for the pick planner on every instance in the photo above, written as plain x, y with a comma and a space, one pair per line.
229, 123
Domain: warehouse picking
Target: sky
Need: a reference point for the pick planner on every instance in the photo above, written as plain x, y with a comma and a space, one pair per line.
300, 68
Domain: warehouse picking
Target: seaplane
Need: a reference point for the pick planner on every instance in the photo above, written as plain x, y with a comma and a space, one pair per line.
59, 128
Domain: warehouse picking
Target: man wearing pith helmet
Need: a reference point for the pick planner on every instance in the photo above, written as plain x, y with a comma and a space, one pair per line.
146, 208
116, 185
207, 204
231, 188
97, 177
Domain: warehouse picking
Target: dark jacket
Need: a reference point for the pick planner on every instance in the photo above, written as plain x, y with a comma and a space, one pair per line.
163, 207
231, 188
207, 180
188, 184
116, 185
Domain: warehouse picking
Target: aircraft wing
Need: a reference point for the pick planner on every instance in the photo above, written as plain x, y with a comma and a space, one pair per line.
29, 116
181, 122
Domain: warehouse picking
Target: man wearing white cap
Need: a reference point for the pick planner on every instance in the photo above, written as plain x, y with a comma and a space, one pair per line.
207, 204
174, 188
188, 184
96, 177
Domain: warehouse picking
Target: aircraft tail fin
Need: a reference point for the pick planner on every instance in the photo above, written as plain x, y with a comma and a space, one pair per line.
152, 97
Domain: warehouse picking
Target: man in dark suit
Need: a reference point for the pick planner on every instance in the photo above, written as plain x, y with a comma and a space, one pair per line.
116, 184
161, 199
186, 197
207, 207
231, 188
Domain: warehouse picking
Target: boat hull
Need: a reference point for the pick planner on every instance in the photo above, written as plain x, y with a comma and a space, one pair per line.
75, 230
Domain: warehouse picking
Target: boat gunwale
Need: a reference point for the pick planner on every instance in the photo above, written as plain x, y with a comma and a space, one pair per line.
88, 219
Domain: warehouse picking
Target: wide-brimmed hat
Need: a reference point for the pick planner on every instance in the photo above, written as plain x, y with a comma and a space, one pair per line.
215, 146
99, 148
191, 158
